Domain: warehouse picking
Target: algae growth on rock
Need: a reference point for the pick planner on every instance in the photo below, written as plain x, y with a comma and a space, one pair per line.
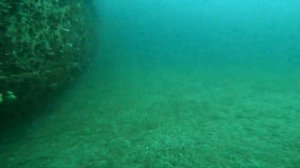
44, 44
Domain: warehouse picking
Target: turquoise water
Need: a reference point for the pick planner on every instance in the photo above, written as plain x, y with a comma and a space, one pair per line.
192, 83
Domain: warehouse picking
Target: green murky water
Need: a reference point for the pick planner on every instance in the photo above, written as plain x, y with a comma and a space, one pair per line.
211, 84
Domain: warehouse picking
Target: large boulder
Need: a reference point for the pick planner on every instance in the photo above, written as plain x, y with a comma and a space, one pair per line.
44, 46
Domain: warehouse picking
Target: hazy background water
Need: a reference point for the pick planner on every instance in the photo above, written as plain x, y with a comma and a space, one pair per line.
258, 34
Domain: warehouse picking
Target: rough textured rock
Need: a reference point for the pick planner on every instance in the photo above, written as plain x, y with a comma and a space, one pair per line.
44, 45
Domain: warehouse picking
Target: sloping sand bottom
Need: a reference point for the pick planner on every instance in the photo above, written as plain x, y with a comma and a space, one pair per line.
167, 118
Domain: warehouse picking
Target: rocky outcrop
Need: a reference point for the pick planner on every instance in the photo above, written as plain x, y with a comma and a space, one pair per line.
44, 45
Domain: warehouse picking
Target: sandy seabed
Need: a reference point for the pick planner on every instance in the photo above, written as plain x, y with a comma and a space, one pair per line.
166, 118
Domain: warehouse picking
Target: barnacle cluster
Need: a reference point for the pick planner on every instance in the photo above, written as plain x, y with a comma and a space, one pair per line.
42, 43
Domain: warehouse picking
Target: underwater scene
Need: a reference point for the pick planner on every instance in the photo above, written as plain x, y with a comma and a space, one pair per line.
150, 84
